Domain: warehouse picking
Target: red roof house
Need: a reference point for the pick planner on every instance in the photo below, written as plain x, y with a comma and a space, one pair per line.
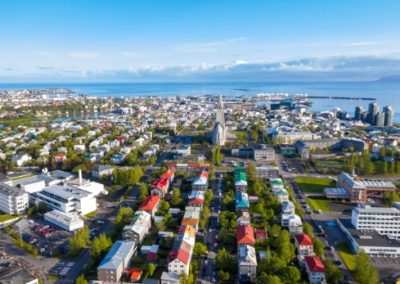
304, 244
136, 274
314, 264
150, 204
245, 235
261, 234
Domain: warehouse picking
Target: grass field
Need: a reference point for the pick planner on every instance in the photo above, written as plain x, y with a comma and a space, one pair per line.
314, 185
91, 214
349, 259
4, 218
319, 203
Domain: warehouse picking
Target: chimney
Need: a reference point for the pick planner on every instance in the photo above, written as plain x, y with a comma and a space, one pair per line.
80, 177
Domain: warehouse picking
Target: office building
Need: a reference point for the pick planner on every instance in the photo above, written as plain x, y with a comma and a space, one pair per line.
384, 220
66, 199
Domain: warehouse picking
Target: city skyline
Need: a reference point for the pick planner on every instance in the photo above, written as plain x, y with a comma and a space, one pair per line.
71, 41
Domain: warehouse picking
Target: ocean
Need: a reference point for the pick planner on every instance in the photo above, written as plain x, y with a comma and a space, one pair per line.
386, 93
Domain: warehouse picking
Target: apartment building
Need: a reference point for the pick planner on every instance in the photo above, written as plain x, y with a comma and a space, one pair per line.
115, 262
138, 228
13, 200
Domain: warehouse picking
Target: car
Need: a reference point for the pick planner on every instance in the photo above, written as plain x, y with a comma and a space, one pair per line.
100, 222
337, 262
206, 262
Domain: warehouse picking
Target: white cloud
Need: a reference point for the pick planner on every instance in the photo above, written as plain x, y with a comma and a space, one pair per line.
208, 47
362, 43
84, 55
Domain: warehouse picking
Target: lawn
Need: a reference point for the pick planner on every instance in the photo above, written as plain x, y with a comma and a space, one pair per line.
348, 257
319, 203
91, 214
314, 185
4, 218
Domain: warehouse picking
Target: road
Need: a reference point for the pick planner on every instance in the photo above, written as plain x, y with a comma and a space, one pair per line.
208, 268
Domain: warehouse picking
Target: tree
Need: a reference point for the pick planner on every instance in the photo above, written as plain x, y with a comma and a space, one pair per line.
308, 229
333, 274
318, 247
150, 269
79, 241
224, 260
199, 249
176, 199
290, 274
365, 272
123, 217
223, 276
100, 245
391, 197
268, 279
144, 192
164, 206
81, 280
285, 249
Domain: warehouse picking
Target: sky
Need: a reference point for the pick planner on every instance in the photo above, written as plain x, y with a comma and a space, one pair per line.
198, 40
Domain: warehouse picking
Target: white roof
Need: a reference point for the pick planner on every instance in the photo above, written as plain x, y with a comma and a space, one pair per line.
247, 255
64, 218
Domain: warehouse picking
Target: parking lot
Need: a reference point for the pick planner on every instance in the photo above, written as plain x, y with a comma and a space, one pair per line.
45, 237
62, 268
387, 266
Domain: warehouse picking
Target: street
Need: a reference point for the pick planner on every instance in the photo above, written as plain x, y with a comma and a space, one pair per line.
208, 268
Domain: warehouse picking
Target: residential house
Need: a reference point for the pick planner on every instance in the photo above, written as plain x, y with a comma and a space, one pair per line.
151, 205
138, 228
315, 269
303, 244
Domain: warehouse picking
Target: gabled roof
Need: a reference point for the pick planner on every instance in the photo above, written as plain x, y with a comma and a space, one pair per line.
314, 263
245, 235
149, 203
261, 234
303, 240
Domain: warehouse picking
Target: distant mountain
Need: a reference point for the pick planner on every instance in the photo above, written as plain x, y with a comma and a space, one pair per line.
392, 78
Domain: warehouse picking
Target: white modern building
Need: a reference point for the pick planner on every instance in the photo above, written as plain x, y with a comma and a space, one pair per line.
13, 200
66, 199
384, 220
67, 221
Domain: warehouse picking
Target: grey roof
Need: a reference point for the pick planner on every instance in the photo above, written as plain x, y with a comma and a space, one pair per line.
66, 192
8, 190
368, 238
116, 255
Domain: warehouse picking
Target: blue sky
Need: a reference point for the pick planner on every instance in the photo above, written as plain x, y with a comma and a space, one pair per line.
198, 40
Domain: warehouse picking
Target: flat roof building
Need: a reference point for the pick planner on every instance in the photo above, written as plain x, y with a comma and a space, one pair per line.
67, 221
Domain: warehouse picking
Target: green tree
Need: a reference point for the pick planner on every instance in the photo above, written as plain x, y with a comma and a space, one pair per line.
285, 249
333, 274
150, 269
290, 274
365, 272
81, 280
224, 260
123, 217
176, 199
268, 279
199, 249
308, 229
144, 192
79, 241
318, 247
100, 245
223, 276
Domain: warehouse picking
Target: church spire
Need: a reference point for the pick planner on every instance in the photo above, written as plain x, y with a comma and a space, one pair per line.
220, 104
